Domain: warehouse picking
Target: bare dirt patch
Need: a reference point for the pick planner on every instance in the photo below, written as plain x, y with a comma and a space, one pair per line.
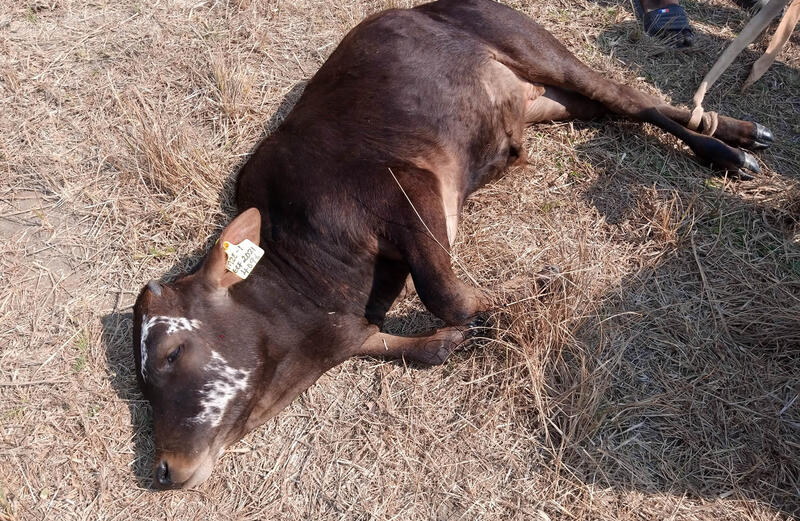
659, 380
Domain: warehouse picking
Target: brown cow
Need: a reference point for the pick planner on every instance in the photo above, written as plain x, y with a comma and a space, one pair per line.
361, 185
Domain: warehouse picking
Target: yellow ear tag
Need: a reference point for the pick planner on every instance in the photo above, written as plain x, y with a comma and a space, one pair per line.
242, 257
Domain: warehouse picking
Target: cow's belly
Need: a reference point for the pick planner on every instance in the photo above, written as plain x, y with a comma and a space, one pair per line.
497, 143
472, 160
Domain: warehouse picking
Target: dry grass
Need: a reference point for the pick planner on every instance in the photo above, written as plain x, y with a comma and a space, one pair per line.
658, 380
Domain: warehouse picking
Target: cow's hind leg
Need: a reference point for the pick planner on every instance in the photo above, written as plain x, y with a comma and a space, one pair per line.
538, 57
735, 132
572, 75
560, 105
557, 104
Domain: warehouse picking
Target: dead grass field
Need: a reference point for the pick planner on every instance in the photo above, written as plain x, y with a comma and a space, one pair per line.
660, 381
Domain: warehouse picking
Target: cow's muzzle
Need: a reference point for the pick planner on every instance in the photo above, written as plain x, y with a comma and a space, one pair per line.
173, 470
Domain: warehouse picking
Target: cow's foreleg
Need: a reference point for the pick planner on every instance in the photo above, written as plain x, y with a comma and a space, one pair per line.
438, 287
420, 234
430, 349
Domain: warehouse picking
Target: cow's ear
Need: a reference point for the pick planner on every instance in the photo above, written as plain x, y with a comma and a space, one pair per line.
246, 225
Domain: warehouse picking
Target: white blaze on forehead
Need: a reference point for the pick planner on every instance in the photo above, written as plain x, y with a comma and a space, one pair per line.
174, 324
218, 393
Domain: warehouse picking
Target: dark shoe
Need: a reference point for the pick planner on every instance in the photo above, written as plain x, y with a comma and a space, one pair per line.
669, 23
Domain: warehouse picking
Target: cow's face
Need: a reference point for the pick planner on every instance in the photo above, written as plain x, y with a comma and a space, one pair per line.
197, 364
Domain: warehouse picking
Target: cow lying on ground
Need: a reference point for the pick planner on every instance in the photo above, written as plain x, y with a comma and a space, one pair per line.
361, 185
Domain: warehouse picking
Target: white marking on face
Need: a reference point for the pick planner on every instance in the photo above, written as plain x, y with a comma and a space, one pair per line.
174, 324
217, 394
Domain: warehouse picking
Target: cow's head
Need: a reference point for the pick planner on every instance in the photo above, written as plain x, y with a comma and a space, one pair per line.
197, 362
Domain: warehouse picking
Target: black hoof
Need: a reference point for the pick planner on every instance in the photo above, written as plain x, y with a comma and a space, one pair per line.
750, 163
763, 138
480, 326
728, 159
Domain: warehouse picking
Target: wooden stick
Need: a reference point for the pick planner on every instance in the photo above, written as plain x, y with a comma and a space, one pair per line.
779, 39
753, 28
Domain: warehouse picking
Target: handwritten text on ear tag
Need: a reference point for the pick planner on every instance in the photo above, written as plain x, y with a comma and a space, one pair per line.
242, 257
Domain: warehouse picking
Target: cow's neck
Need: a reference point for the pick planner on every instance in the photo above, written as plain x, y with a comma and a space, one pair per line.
317, 276
301, 335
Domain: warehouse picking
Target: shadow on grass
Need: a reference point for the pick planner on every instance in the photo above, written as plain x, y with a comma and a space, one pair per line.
116, 337
703, 354
683, 380
694, 359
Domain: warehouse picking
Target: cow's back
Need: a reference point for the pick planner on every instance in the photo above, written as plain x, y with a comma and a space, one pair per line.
401, 86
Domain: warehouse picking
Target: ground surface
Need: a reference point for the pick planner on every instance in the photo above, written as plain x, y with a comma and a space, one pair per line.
659, 381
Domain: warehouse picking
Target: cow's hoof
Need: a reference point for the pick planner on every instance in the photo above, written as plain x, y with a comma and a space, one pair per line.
750, 163
438, 348
747, 167
762, 138
480, 327
741, 169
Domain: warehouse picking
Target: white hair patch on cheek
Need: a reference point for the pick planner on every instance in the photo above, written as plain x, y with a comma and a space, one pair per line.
218, 393
174, 324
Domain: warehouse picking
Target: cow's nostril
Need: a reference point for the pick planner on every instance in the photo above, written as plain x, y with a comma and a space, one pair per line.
162, 474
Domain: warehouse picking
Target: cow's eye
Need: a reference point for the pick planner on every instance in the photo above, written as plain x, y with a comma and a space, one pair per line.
174, 354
